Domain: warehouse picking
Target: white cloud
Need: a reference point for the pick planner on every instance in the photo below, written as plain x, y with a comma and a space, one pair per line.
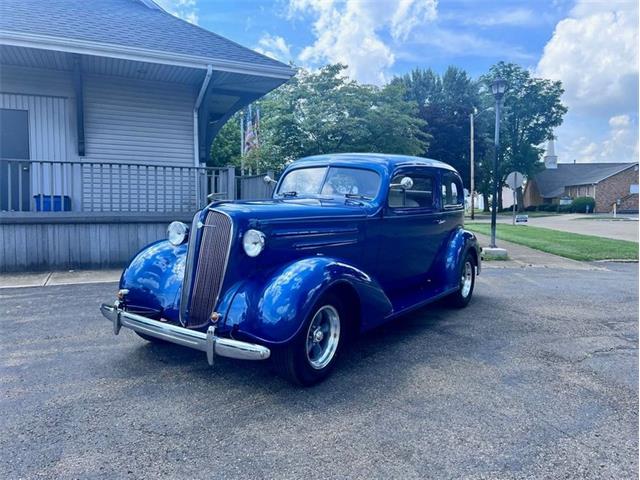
616, 143
275, 47
184, 9
351, 32
594, 52
409, 14
452, 43
511, 17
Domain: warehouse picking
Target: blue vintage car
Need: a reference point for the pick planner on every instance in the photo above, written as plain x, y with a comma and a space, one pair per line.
348, 242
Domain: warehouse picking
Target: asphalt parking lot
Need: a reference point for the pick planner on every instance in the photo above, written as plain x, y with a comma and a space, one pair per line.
537, 378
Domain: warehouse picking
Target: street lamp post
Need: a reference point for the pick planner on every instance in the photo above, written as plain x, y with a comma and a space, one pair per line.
498, 87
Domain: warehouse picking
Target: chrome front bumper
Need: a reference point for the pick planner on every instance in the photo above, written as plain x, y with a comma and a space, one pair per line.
205, 342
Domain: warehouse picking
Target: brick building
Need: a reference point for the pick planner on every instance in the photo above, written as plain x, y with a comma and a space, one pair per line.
607, 183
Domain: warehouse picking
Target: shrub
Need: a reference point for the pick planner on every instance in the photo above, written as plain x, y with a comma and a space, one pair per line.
565, 208
531, 208
547, 207
580, 204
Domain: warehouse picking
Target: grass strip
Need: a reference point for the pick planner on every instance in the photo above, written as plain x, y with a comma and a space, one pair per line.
564, 244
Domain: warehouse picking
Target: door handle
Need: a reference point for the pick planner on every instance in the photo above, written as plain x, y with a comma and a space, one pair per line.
440, 221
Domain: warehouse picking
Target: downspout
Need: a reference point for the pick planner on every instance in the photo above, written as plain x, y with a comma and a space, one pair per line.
196, 108
201, 195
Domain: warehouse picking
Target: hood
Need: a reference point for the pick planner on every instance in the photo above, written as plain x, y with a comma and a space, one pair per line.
267, 211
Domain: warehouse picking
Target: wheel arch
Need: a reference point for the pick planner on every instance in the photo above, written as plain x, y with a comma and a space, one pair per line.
272, 309
352, 303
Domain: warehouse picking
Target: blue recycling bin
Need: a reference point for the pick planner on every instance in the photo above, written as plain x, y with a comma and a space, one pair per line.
52, 203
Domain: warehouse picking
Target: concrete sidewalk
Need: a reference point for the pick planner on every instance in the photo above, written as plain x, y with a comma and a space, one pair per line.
71, 277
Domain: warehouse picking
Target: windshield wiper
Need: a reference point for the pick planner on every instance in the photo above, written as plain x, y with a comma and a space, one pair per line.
289, 194
358, 196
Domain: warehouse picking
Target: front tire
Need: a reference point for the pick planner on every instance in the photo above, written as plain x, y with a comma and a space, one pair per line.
461, 297
310, 357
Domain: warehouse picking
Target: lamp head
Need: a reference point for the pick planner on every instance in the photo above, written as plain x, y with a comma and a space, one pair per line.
498, 87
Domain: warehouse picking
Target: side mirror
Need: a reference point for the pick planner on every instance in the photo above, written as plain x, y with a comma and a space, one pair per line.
406, 183
268, 180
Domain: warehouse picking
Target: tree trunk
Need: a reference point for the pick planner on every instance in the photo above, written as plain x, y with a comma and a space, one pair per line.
485, 202
520, 197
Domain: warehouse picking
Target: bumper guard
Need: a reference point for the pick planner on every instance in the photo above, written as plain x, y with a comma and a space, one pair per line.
206, 342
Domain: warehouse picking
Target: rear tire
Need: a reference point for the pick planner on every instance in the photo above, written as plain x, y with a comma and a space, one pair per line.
311, 356
461, 297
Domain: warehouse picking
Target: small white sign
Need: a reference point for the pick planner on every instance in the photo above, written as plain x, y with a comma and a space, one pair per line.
522, 218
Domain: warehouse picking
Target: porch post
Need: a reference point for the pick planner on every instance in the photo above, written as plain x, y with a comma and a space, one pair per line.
77, 85
231, 183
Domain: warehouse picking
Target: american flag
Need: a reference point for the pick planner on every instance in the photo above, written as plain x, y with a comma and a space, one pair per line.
251, 120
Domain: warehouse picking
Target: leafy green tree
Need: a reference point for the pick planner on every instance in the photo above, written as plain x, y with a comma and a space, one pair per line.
445, 103
532, 109
225, 149
325, 112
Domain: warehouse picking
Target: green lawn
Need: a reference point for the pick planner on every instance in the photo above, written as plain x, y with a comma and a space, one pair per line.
569, 245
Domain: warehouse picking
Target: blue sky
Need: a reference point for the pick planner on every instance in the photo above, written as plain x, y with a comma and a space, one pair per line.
591, 45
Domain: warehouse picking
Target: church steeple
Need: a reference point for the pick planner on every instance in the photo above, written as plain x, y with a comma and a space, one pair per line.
550, 157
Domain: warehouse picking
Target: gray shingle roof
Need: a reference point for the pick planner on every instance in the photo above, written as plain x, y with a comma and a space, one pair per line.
122, 22
552, 182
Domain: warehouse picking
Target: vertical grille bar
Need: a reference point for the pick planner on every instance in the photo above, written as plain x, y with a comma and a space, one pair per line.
210, 265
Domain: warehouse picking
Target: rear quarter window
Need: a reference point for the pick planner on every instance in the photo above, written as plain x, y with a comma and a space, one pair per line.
452, 194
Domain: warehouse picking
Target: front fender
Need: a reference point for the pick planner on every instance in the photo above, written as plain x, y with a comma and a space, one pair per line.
272, 308
154, 280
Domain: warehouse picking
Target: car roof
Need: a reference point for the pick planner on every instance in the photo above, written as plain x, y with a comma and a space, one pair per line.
388, 161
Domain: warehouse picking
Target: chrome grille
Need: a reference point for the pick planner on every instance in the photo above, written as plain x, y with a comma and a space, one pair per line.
210, 266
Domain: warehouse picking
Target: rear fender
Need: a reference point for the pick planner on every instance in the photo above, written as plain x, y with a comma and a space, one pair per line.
271, 309
459, 243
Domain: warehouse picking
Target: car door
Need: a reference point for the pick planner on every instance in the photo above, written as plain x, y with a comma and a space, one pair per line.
410, 230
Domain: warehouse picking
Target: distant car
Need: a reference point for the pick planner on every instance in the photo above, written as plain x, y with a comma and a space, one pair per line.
347, 243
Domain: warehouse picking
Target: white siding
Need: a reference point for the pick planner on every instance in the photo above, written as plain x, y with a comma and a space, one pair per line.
126, 120
136, 121
49, 132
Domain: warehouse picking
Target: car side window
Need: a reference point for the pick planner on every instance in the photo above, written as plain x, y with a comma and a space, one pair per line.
452, 195
419, 195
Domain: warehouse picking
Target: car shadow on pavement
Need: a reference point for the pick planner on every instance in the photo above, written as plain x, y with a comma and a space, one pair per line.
383, 359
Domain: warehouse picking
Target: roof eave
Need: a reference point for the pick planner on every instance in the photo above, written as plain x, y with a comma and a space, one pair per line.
85, 47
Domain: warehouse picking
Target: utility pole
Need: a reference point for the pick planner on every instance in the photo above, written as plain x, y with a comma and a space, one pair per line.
472, 182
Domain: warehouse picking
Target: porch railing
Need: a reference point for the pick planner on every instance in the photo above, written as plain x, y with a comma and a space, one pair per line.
82, 186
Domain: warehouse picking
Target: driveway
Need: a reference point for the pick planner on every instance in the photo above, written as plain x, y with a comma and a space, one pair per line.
537, 378
590, 225
625, 228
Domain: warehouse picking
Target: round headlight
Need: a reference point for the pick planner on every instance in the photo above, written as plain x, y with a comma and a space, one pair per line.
253, 242
177, 233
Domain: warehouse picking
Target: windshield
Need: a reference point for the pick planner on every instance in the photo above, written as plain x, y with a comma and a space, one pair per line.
338, 181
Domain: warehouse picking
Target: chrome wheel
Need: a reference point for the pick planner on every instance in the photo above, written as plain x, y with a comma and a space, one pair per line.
323, 337
467, 279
